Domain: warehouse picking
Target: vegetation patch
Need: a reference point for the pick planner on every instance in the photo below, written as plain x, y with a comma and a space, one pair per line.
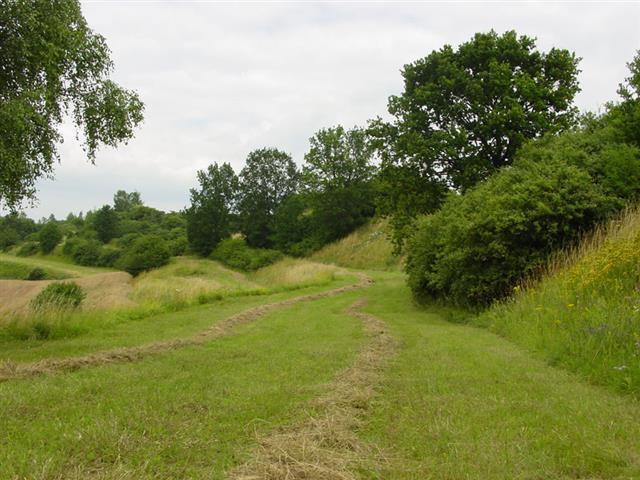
59, 295
235, 253
326, 446
585, 314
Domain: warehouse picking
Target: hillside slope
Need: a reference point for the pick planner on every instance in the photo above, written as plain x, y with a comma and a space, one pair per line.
366, 248
585, 314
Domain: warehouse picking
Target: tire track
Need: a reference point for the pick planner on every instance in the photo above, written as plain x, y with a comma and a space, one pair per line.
12, 371
325, 446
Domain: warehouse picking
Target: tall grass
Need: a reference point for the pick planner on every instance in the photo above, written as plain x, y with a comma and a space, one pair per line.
584, 314
366, 248
292, 272
184, 283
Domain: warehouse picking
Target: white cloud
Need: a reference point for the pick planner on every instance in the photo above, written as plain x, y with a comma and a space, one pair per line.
219, 80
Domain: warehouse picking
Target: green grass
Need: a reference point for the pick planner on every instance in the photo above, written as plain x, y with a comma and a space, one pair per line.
462, 403
56, 264
15, 270
190, 413
366, 248
584, 315
89, 332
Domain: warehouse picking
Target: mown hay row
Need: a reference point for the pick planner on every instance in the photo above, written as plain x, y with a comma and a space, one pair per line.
325, 446
11, 371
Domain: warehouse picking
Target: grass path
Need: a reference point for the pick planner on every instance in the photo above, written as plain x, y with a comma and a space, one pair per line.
454, 402
190, 413
459, 402
324, 446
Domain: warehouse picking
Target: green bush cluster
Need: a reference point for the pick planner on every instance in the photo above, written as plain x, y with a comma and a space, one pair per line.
479, 245
145, 253
37, 274
235, 253
59, 295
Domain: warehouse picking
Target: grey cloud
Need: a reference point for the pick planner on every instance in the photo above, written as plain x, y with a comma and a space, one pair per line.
220, 80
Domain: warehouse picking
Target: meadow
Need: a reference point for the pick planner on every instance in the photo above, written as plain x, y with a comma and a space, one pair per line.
313, 370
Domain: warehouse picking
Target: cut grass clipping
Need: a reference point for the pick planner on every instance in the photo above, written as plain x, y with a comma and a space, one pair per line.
326, 446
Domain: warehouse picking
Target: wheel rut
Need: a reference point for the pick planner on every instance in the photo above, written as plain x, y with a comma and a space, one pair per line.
325, 446
13, 371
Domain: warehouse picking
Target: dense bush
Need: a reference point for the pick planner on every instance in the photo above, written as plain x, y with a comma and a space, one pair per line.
37, 274
49, 236
178, 246
146, 253
59, 295
480, 244
86, 252
27, 249
235, 253
108, 256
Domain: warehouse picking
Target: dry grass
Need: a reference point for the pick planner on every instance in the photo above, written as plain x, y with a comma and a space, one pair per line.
10, 370
104, 291
366, 248
290, 271
326, 446
185, 279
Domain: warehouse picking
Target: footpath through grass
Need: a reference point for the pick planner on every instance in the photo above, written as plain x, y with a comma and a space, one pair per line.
460, 402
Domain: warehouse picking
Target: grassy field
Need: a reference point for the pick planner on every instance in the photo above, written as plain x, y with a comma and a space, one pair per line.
455, 402
16, 270
55, 264
299, 388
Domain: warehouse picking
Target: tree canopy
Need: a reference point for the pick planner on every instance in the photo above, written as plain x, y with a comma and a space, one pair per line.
268, 178
465, 112
53, 66
212, 206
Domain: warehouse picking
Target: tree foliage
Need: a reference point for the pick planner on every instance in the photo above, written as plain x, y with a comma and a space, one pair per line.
209, 216
124, 201
49, 237
105, 223
479, 245
54, 65
337, 159
465, 112
268, 178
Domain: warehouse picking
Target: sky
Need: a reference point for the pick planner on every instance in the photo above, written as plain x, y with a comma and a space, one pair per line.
220, 79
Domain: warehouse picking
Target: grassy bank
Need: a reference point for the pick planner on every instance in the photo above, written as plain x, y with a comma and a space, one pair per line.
585, 314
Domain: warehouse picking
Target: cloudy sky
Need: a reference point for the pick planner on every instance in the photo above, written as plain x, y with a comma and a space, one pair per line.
220, 79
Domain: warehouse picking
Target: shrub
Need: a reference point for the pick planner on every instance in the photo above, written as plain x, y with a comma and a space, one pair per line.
37, 274
178, 246
235, 253
86, 252
481, 244
27, 249
49, 236
108, 256
59, 295
146, 253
